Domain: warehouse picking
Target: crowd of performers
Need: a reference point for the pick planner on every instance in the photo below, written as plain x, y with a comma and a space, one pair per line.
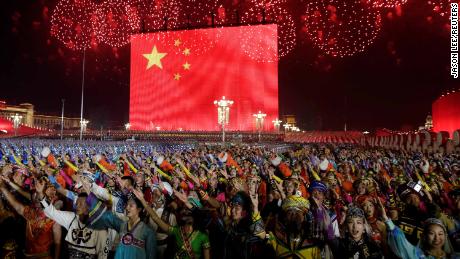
139, 200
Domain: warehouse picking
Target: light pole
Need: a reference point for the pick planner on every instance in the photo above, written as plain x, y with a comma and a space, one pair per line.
62, 118
127, 126
276, 124
286, 126
223, 113
82, 94
83, 125
16, 122
259, 121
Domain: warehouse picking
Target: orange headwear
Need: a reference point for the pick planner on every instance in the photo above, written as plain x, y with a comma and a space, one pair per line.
164, 164
227, 158
283, 167
46, 153
347, 186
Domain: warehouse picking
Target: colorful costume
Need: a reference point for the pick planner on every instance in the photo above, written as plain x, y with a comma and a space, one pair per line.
83, 242
189, 247
286, 248
139, 242
39, 232
404, 249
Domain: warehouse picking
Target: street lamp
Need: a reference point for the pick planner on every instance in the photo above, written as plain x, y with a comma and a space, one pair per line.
223, 113
286, 126
83, 125
16, 122
276, 124
259, 121
62, 119
127, 126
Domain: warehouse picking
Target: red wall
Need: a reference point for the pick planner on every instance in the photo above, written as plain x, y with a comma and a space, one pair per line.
446, 113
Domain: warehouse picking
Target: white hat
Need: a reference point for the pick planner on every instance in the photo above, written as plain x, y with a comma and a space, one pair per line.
45, 152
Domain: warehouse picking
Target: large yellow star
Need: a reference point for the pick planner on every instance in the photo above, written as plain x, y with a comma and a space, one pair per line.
177, 76
186, 52
186, 66
154, 58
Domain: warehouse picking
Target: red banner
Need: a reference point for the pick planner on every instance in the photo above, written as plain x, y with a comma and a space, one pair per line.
177, 75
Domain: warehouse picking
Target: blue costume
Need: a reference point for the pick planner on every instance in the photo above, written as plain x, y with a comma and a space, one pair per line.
404, 249
138, 242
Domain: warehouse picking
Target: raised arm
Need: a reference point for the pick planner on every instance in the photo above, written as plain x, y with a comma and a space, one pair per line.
68, 194
210, 200
182, 197
108, 220
63, 218
17, 188
163, 225
184, 168
158, 170
103, 193
19, 207
397, 240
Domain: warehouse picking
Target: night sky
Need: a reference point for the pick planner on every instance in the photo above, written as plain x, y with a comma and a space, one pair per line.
391, 84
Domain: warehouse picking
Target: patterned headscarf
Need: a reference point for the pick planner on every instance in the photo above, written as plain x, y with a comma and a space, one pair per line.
296, 202
434, 221
355, 212
238, 184
448, 249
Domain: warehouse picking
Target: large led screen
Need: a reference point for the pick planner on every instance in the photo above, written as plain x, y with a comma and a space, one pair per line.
177, 75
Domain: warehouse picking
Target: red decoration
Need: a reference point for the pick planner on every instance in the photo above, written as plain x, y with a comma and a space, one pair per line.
179, 96
442, 7
386, 3
160, 14
115, 21
198, 13
341, 28
272, 12
71, 23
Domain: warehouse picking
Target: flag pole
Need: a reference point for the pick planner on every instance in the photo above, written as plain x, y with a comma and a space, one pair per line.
223, 131
62, 118
82, 94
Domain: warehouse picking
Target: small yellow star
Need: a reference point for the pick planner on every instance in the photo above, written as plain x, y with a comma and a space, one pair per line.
154, 58
177, 76
186, 52
177, 43
186, 66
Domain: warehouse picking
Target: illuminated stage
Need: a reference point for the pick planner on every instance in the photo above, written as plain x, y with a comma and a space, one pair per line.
177, 75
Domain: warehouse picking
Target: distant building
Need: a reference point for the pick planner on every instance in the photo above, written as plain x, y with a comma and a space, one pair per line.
290, 119
429, 123
29, 118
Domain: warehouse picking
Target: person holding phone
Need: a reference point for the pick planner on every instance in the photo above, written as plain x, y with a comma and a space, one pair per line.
419, 207
433, 244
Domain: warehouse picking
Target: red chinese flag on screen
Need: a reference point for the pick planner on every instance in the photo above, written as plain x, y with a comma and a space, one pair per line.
177, 75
